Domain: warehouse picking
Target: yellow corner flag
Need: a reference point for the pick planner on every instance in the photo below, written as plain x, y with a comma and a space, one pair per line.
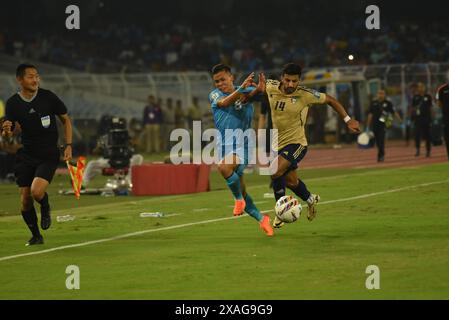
76, 175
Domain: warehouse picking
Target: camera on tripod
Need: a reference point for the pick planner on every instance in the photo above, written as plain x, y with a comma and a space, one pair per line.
117, 146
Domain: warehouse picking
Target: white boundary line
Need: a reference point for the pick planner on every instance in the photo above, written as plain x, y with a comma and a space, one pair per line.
175, 197
128, 235
363, 196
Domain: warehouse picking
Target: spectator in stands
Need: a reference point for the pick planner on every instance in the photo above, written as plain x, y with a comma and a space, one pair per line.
180, 117
152, 120
190, 46
160, 103
169, 123
135, 132
194, 113
208, 120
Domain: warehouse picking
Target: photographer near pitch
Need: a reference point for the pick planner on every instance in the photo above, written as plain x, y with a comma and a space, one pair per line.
34, 111
422, 119
380, 116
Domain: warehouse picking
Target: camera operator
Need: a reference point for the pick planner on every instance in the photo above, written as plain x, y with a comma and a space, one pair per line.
116, 152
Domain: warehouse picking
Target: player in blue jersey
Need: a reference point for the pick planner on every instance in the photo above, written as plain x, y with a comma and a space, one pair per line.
233, 112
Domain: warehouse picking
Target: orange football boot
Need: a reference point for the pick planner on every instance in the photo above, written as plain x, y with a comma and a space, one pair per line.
239, 207
266, 227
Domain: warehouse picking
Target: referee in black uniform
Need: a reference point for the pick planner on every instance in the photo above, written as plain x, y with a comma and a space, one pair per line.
422, 119
443, 103
33, 110
380, 116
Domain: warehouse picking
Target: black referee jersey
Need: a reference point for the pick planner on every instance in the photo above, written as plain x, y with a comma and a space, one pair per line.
37, 119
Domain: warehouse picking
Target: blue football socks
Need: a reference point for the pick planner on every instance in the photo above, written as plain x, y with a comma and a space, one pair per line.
234, 185
251, 209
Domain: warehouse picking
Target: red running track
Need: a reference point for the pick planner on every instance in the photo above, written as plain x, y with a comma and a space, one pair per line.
397, 154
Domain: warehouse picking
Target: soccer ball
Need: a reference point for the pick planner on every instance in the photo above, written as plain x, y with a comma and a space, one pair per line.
288, 209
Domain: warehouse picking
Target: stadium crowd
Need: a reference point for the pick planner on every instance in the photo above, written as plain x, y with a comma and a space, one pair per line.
246, 42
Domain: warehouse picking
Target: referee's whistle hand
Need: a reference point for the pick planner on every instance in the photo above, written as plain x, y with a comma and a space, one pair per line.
6, 129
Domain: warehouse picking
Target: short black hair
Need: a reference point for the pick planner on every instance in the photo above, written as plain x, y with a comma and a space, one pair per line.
21, 69
220, 67
292, 69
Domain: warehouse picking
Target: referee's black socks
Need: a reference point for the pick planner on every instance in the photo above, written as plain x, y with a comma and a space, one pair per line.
44, 201
30, 219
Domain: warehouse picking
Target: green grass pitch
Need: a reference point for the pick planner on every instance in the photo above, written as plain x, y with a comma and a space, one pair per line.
396, 219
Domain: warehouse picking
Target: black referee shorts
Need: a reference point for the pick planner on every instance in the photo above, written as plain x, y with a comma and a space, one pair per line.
293, 153
28, 167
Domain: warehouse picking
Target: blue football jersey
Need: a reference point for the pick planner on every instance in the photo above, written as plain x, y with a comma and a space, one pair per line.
237, 116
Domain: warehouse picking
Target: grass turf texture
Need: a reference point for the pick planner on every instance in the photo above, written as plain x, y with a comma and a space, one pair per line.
404, 233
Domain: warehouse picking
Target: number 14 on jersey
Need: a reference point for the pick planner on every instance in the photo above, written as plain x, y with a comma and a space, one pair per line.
280, 106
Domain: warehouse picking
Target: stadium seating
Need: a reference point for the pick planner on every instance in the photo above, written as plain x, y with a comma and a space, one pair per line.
187, 45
